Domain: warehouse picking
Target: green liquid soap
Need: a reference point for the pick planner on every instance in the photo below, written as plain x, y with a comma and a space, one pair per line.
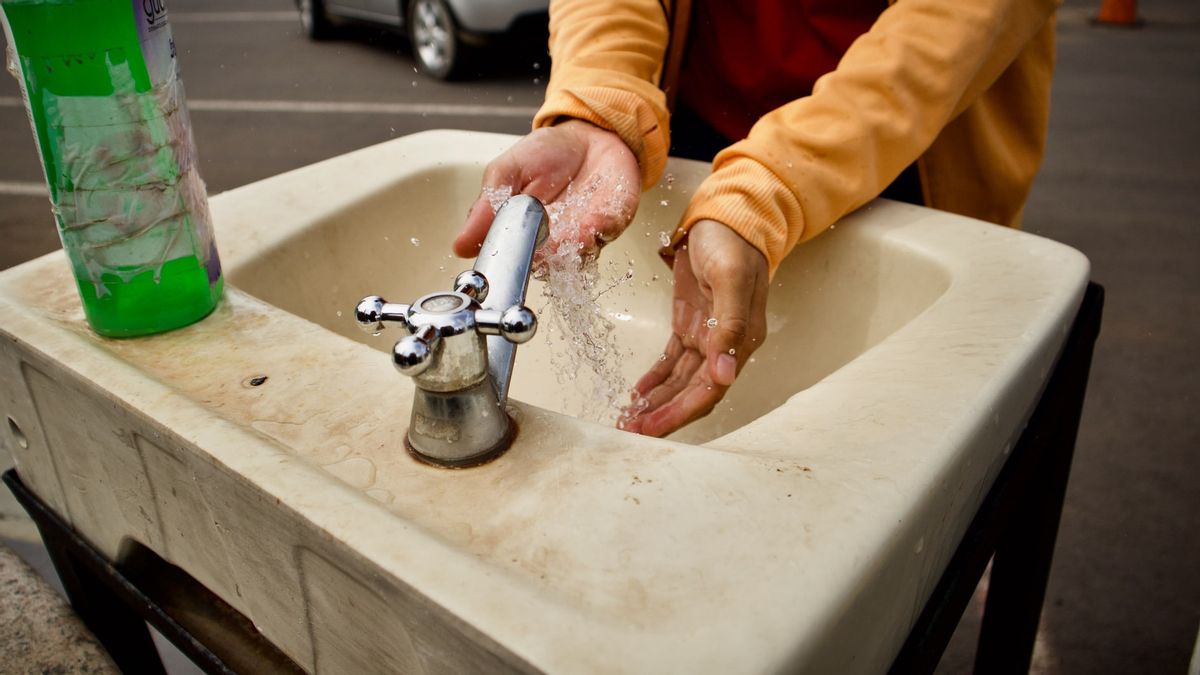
142, 305
100, 83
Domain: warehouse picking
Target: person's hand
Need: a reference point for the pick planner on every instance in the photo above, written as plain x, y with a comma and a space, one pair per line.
586, 176
718, 275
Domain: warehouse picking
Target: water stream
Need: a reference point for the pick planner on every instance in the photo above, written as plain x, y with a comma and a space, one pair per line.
585, 352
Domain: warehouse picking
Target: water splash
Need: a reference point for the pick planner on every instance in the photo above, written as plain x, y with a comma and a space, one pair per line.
588, 355
496, 196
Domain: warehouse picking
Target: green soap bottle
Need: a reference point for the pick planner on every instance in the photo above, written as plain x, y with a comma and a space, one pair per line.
102, 90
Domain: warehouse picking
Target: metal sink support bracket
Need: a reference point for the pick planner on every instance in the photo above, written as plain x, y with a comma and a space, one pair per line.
461, 344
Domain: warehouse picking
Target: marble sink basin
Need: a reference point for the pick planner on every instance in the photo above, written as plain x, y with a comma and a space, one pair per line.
799, 528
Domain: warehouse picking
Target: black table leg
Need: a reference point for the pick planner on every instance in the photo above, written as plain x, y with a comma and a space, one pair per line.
1021, 566
1017, 522
116, 625
117, 601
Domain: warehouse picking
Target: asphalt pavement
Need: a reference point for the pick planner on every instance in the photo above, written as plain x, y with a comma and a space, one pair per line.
1120, 183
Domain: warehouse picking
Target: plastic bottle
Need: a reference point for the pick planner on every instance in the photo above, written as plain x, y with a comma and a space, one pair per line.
101, 86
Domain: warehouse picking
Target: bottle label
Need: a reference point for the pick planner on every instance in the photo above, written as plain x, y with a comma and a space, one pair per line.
154, 34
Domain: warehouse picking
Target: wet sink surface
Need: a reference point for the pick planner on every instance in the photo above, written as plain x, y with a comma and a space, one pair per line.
820, 501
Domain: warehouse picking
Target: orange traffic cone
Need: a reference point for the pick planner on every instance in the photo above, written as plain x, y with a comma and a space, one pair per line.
1118, 13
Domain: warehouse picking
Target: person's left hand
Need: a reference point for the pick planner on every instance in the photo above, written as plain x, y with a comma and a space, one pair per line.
718, 275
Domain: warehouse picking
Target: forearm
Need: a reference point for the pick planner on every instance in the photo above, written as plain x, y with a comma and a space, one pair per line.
810, 162
606, 63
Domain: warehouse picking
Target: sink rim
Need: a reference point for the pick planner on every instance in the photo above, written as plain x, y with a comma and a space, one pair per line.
816, 423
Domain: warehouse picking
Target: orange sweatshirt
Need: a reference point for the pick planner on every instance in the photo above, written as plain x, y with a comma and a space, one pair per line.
963, 88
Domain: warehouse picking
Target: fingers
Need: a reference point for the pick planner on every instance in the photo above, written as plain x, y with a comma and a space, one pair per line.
685, 396
693, 402
661, 369
719, 320
735, 274
731, 309
678, 388
540, 165
479, 220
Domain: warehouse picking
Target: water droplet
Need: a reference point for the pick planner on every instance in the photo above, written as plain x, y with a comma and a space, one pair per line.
752, 359
664, 202
537, 80
711, 322
654, 278
664, 239
414, 83
662, 357
339, 312
732, 351
415, 242
508, 98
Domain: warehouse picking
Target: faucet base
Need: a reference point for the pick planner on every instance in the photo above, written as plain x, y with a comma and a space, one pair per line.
461, 428
482, 458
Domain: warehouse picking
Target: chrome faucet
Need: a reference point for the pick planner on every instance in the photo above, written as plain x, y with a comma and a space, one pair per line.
461, 344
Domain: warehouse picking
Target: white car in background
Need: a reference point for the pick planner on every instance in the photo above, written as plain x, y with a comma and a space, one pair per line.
444, 33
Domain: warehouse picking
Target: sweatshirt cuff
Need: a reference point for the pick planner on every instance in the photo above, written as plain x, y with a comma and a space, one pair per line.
618, 111
751, 200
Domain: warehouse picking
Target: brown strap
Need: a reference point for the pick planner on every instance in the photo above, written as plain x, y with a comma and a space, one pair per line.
679, 15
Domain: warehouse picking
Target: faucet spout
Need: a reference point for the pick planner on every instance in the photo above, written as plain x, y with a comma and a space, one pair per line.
505, 260
460, 344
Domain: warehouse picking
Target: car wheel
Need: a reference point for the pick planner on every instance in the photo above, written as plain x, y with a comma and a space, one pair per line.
313, 19
434, 35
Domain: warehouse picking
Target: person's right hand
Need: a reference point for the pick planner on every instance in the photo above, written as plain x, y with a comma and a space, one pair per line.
588, 173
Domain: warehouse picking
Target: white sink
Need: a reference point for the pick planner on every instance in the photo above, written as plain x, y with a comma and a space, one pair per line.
799, 528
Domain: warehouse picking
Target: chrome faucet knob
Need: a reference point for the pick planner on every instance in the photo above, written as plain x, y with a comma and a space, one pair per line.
413, 354
472, 284
459, 351
517, 324
373, 311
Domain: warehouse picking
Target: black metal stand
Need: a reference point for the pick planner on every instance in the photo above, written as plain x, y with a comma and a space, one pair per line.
116, 603
1016, 525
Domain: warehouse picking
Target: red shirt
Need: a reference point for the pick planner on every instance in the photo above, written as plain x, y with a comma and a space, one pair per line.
748, 57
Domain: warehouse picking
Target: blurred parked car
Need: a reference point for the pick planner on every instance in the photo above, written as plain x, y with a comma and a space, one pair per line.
445, 34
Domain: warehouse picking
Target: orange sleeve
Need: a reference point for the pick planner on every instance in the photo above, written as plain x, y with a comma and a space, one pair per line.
607, 57
812, 161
